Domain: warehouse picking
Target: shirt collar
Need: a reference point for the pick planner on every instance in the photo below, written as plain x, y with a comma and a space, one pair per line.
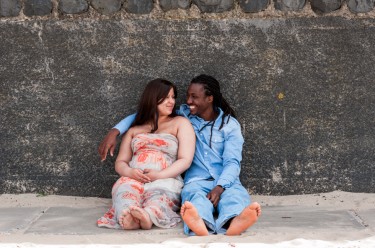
185, 108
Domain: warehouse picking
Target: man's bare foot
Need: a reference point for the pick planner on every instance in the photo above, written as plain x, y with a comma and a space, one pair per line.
142, 216
192, 219
127, 221
246, 219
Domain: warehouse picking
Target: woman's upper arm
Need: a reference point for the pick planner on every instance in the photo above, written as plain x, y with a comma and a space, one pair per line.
125, 153
186, 139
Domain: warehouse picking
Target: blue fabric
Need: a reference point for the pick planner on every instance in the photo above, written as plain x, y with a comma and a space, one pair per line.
216, 162
125, 124
232, 202
222, 160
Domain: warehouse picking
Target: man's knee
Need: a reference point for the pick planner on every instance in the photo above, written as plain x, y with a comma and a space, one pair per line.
189, 192
235, 196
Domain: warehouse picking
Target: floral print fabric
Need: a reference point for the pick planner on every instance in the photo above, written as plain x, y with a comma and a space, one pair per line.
160, 198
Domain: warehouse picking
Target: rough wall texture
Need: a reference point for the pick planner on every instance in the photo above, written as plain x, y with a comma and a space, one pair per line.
303, 88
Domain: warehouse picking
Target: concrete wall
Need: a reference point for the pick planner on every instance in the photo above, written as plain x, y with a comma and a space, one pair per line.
303, 88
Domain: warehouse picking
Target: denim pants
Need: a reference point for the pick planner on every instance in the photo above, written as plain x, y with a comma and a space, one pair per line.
232, 201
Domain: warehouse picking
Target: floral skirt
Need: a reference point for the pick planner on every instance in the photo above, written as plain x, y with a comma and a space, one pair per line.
160, 199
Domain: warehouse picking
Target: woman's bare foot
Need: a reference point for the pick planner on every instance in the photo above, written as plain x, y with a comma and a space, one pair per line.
192, 219
246, 219
142, 216
127, 221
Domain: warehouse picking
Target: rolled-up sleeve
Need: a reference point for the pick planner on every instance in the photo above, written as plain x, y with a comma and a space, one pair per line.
232, 155
125, 124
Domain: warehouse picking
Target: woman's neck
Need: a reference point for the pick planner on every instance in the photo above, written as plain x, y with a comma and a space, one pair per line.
163, 119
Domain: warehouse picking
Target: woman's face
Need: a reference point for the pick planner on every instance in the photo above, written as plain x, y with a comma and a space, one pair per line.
165, 108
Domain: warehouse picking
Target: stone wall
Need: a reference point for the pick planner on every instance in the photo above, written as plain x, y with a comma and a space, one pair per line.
184, 8
301, 81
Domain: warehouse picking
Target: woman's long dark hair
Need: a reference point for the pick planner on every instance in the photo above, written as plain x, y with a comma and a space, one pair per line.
154, 93
212, 88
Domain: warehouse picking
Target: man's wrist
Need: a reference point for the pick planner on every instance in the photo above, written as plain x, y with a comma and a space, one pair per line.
114, 131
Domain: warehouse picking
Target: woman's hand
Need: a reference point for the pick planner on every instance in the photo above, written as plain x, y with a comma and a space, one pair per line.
152, 174
138, 174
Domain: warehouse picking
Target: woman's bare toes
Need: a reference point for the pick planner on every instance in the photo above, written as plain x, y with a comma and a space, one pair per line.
127, 221
142, 216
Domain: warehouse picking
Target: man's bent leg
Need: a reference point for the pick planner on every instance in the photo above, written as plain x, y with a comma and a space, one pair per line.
196, 194
192, 219
232, 202
247, 218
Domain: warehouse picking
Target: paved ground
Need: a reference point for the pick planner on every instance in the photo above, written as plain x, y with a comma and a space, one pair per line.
70, 225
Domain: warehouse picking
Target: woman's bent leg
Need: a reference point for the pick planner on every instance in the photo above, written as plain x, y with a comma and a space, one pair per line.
162, 206
126, 193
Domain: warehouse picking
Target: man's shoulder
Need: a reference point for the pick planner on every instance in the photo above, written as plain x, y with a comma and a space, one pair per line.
183, 110
231, 122
231, 127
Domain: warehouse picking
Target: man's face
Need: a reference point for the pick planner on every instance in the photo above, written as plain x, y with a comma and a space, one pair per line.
197, 100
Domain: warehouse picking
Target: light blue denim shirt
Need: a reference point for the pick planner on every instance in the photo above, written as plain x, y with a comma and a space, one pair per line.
219, 161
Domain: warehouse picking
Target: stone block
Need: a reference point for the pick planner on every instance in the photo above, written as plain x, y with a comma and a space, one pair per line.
325, 6
214, 6
37, 7
73, 6
139, 6
360, 6
166, 5
289, 5
106, 7
253, 6
9, 8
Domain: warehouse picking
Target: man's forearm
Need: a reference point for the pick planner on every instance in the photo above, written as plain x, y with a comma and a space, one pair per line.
125, 124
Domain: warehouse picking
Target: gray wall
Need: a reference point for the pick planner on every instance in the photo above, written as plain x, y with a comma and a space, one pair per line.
303, 88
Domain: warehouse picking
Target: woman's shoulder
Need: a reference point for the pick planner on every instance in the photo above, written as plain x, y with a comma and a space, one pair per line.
132, 129
130, 132
136, 130
180, 120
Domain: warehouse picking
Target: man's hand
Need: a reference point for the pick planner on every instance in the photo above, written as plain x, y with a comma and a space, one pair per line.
214, 195
108, 143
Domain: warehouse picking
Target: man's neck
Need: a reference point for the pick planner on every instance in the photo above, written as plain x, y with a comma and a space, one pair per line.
209, 115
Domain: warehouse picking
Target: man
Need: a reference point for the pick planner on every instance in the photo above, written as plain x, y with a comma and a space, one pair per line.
212, 183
